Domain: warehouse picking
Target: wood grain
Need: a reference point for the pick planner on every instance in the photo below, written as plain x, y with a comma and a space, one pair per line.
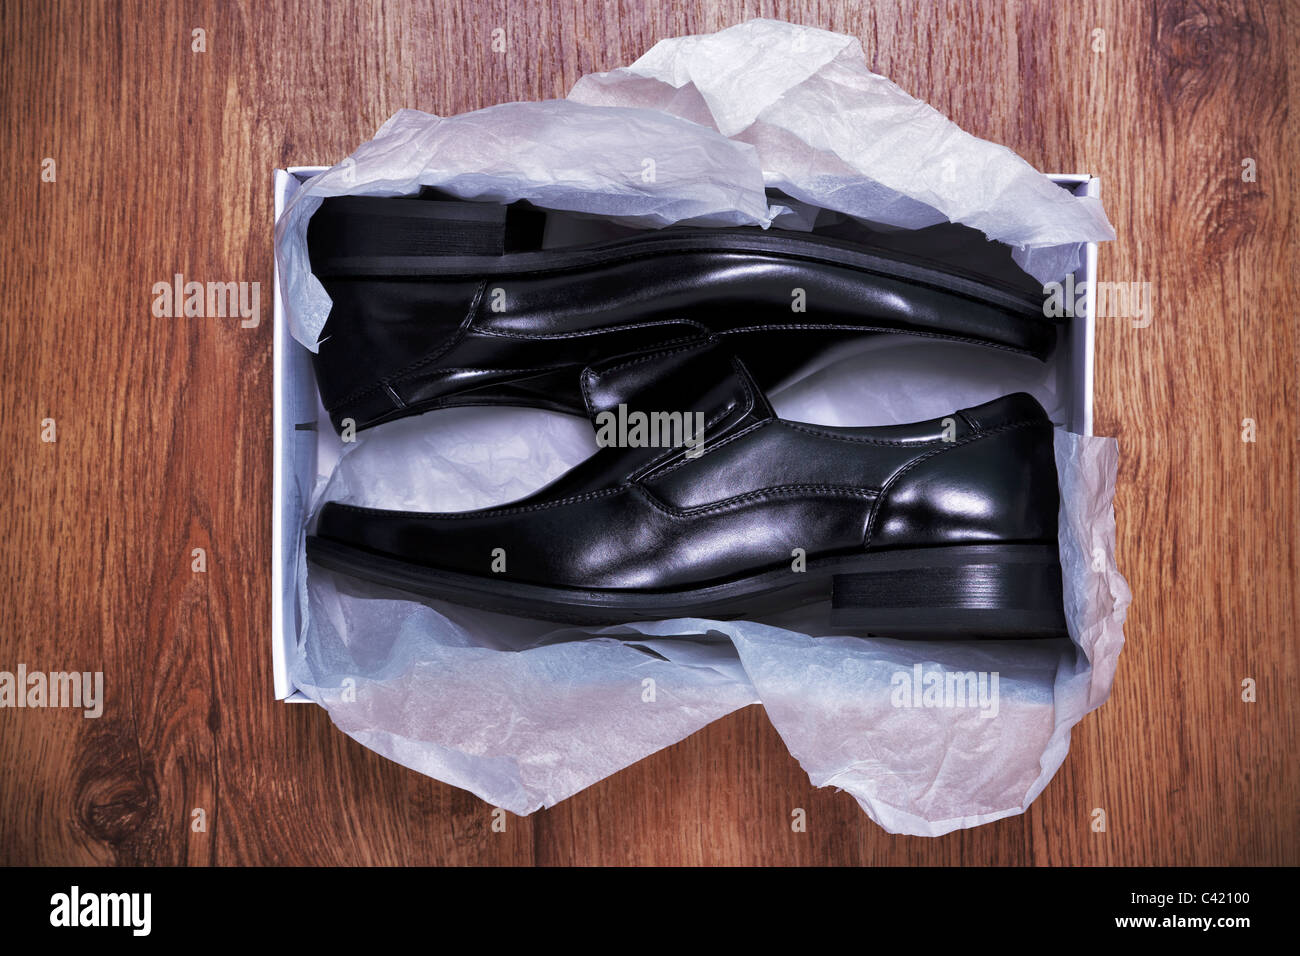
164, 429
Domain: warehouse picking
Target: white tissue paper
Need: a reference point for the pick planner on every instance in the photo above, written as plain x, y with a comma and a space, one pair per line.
830, 132
525, 714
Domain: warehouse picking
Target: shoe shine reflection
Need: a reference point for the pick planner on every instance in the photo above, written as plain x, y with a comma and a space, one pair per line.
944, 527
939, 528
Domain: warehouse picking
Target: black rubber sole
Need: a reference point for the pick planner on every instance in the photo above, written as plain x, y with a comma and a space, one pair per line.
968, 591
361, 237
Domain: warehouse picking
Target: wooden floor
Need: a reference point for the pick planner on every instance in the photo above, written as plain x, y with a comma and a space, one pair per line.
163, 161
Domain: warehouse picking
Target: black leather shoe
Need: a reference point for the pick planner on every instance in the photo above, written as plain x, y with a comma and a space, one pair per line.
940, 528
441, 303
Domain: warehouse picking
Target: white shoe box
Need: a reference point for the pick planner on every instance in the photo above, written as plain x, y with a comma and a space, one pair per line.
306, 445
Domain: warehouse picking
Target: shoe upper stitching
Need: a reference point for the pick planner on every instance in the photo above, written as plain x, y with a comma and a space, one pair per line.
817, 433
650, 357
773, 491
380, 385
741, 375
709, 448
796, 426
579, 333
483, 512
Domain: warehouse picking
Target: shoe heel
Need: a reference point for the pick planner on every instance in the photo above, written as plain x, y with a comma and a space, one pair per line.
971, 591
368, 235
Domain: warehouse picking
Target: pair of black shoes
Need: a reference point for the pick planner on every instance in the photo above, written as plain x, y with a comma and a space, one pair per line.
701, 502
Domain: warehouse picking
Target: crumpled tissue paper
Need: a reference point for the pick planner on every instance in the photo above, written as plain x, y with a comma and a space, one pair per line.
524, 713
830, 132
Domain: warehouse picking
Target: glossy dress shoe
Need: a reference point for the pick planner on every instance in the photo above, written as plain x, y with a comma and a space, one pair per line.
439, 303
945, 528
